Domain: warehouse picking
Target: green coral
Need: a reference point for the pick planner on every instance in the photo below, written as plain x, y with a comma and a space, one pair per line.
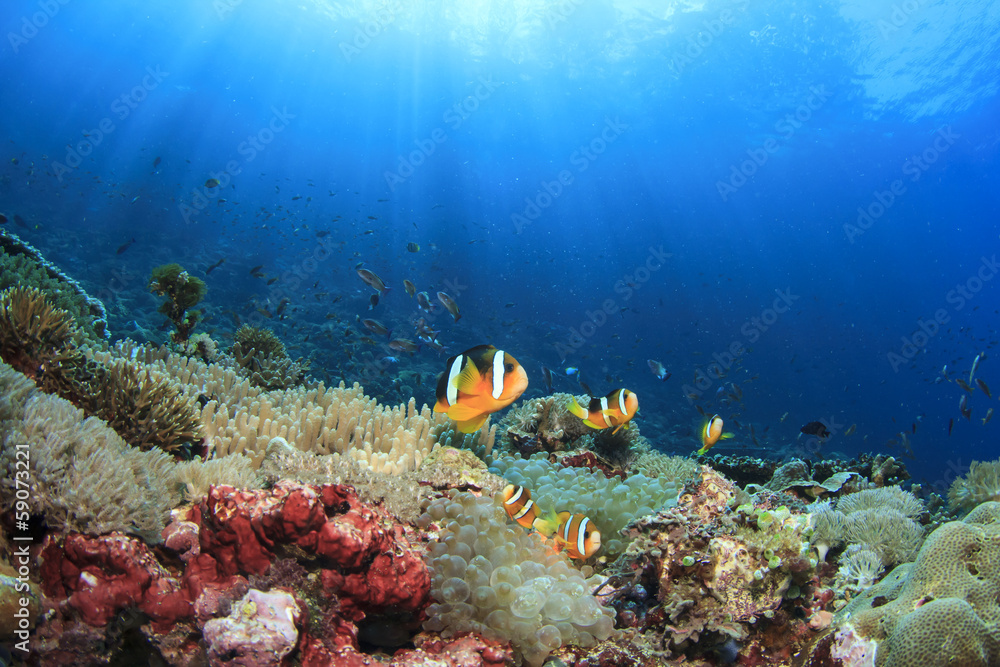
183, 292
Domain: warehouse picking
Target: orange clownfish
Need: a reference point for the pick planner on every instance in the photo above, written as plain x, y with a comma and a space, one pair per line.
711, 433
616, 409
476, 384
519, 506
577, 535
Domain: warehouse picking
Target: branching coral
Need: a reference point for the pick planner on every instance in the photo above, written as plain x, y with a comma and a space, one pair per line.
981, 484
183, 292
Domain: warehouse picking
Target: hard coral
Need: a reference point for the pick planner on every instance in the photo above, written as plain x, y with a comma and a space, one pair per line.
940, 609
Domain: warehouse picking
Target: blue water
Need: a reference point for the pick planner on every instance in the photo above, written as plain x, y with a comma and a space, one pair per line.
596, 183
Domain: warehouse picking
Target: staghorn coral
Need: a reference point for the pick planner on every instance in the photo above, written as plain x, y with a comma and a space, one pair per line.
85, 477
183, 292
943, 608
264, 359
981, 484
22, 265
146, 410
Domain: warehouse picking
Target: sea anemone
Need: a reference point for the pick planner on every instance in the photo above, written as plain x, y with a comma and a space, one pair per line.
980, 485
36, 338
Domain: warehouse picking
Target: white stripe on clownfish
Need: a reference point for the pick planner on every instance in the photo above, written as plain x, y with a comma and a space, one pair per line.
498, 374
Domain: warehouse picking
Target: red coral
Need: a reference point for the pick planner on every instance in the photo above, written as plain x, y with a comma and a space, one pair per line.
100, 576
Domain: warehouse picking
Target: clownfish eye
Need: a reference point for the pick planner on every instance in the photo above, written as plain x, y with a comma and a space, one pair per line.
509, 368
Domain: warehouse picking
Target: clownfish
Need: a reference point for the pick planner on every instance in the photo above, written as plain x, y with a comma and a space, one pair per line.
577, 535
711, 433
519, 506
477, 383
616, 409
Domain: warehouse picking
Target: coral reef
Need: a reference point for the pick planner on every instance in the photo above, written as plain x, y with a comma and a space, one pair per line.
202, 346
882, 519
264, 359
22, 265
148, 411
498, 580
698, 576
243, 577
610, 503
85, 477
183, 292
941, 609
981, 484
38, 339
260, 630
542, 425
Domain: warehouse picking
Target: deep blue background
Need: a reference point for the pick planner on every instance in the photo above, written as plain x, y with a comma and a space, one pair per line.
698, 86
